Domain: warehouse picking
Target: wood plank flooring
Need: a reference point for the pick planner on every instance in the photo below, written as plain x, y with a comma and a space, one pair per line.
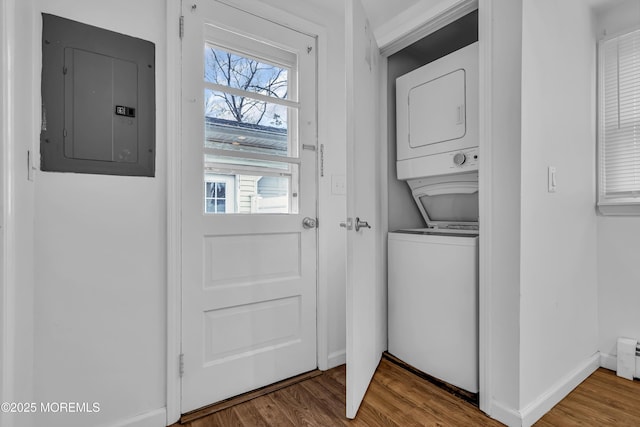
228, 403
603, 399
398, 398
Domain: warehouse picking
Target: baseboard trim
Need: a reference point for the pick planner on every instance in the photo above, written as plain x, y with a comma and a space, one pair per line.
505, 415
157, 418
337, 358
547, 400
609, 362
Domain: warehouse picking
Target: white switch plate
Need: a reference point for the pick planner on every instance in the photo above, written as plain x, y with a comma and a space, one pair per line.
338, 184
552, 183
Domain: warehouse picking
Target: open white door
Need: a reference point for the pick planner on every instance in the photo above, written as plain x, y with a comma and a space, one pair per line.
366, 287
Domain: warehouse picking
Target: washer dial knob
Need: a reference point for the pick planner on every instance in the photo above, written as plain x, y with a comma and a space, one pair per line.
459, 159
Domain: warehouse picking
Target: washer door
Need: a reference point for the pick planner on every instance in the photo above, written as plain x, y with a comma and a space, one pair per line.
448, 204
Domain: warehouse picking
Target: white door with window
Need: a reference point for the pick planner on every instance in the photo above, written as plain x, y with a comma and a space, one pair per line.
366, 284
248, 203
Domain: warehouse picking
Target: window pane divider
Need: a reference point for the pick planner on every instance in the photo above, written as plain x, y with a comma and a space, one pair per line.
250, 155
247, 170
254, 95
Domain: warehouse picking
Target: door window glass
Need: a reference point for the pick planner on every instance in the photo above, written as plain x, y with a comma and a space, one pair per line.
250, 136
243, 72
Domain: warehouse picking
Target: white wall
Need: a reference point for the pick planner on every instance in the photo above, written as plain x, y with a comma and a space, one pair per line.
618, 243
100, 280
504, 180
558, 258
402, 209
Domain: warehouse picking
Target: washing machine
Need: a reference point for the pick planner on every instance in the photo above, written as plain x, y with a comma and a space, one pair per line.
433, 304
433, 282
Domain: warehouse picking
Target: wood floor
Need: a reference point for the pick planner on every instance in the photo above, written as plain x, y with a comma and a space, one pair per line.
603, 399
398, 398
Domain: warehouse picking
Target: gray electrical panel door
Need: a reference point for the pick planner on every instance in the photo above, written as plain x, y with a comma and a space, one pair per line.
98, 100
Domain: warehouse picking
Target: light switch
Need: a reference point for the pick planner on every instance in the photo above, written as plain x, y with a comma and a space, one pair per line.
552, 184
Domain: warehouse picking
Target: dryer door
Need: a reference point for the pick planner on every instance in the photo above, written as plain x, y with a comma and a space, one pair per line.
437, 110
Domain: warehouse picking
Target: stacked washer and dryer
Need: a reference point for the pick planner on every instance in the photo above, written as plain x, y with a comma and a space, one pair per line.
433, 271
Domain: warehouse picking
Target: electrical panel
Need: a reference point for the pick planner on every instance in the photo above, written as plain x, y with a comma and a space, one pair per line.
98, 100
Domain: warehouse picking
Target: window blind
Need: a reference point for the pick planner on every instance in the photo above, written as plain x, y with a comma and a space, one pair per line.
619, 127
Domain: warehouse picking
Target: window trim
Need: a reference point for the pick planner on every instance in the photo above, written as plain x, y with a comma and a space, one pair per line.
607, 205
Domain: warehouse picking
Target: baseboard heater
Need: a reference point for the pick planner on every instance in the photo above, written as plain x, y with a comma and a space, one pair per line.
628, 358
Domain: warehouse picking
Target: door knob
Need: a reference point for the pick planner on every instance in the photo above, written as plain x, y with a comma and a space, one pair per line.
361, 224
309, 223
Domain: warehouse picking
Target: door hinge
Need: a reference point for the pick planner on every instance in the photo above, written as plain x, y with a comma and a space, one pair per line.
181, 364
181, 26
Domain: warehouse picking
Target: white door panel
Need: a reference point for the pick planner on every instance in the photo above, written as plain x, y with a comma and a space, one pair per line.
248, 279
366, 294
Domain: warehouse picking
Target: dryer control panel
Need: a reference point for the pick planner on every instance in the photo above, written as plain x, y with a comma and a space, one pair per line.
464, 159
460, 161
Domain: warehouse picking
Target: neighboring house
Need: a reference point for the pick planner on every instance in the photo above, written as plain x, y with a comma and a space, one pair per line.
227, 190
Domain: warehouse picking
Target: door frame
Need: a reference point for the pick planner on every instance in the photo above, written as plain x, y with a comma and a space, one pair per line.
173, 125
173, 128
7, 240
405, 35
